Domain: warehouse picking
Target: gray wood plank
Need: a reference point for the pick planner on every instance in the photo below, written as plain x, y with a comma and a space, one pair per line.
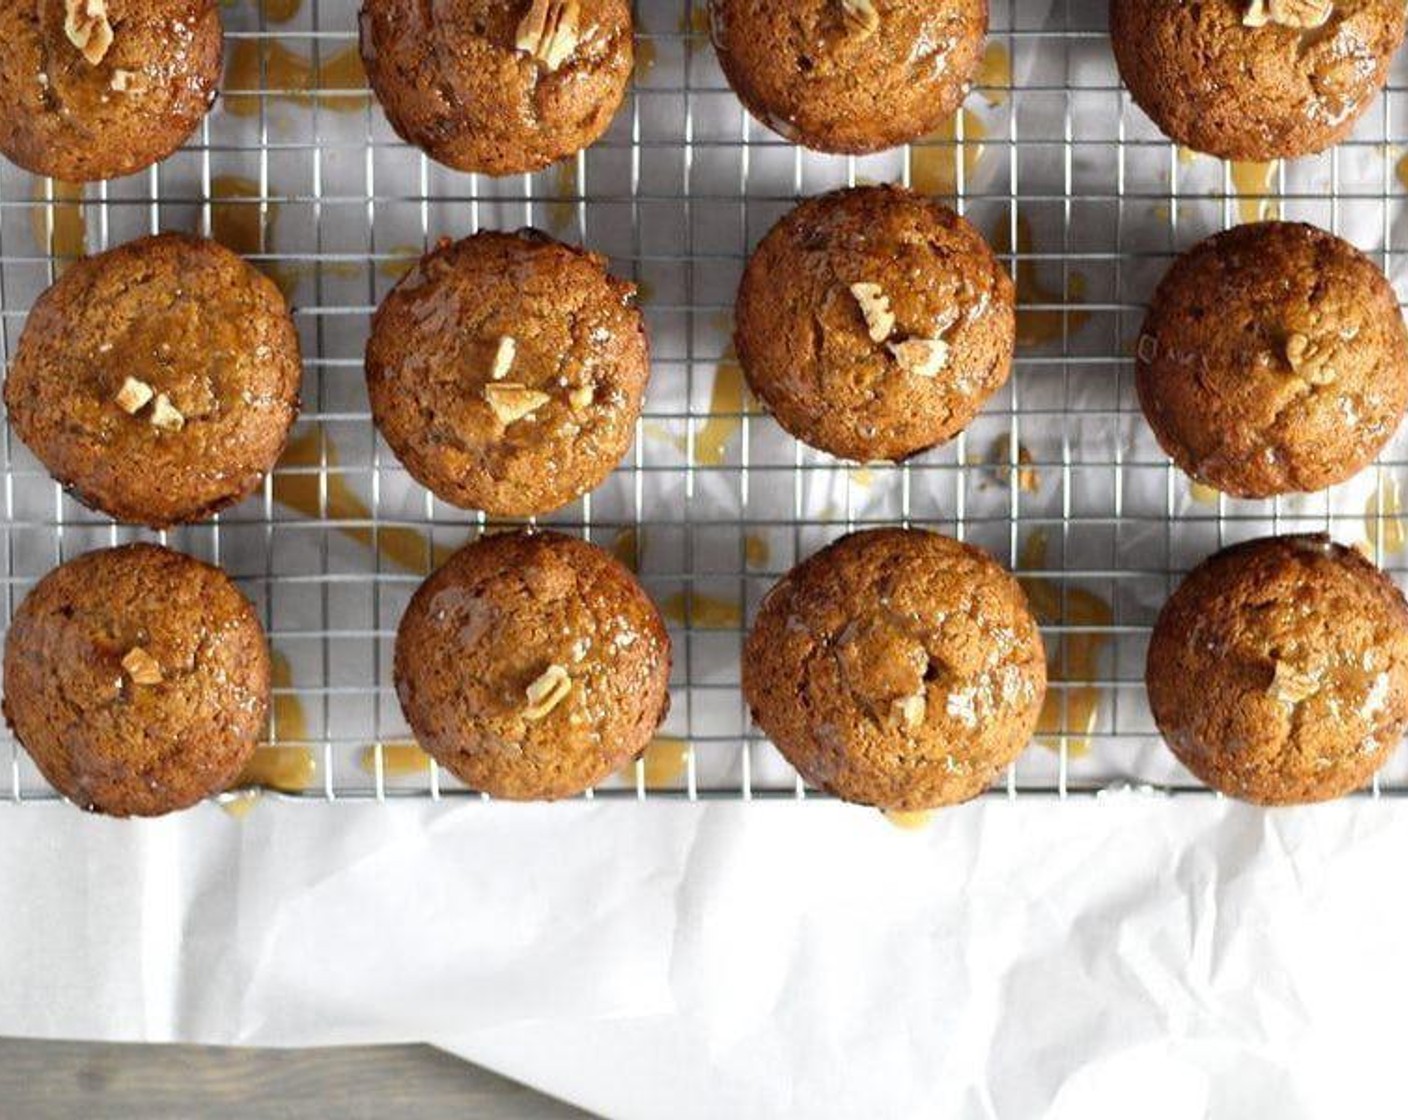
107, 1081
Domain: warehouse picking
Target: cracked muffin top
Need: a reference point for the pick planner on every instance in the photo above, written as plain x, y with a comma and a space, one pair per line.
498, 86
507, 371
532, 666
94, 89
137, 678
1273, 360
874, 322
850, 75
1255, 79
897, 668
1278, 671
157, 381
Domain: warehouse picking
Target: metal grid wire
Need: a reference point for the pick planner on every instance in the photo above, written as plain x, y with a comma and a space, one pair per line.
1059, 478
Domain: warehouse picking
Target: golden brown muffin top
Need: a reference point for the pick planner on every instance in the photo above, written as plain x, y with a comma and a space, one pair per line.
897, 668
1278, 671
850, 75
532, 665
498, 86
507, 372
1273, 359
94, 89
138, 679
157, 380
874, 322
1255, 79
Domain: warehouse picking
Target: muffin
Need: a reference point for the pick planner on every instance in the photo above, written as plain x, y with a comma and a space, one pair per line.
94, 89
157, 381
498, 86
507, 372
532, 665
896, 668
1255, 79
874, 322
850, 75
137, 678
1273, 359
1278, 671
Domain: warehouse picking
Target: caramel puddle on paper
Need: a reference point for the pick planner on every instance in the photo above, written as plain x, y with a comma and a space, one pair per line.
909, 820
241, 221
562, 209
398, 760
290, 77
728, 402
1070, 711
703, 612
1383, 518
287, 768
756, 550
1039, 325
60, 229
1253, 183
402, 546
1203, 494
401, 258
665, 761
694, 22
646, 55
625, 546
934, 161
1400, 169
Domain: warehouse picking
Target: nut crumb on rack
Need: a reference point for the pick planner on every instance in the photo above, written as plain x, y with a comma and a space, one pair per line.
547, 692
549, 32
923, 357
133, 396
504, 357
1305, 15
862, 16
141, 666
511, 401
875, 306
87, 27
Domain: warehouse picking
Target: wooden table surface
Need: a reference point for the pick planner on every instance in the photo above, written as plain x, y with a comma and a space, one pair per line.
106, 1081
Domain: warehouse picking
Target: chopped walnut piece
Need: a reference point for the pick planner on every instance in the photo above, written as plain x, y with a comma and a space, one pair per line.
166, 416
875, 306
87, 27
511, 401
1291, 685
133, 396
547, 692
549, 32
1305, 15
862, 16
923, 357
913, 709
141, 666
1308, 360
1000, 456
504, 357
581, 397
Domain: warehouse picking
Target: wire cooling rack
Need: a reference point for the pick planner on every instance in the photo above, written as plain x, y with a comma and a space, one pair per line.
1059, 477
